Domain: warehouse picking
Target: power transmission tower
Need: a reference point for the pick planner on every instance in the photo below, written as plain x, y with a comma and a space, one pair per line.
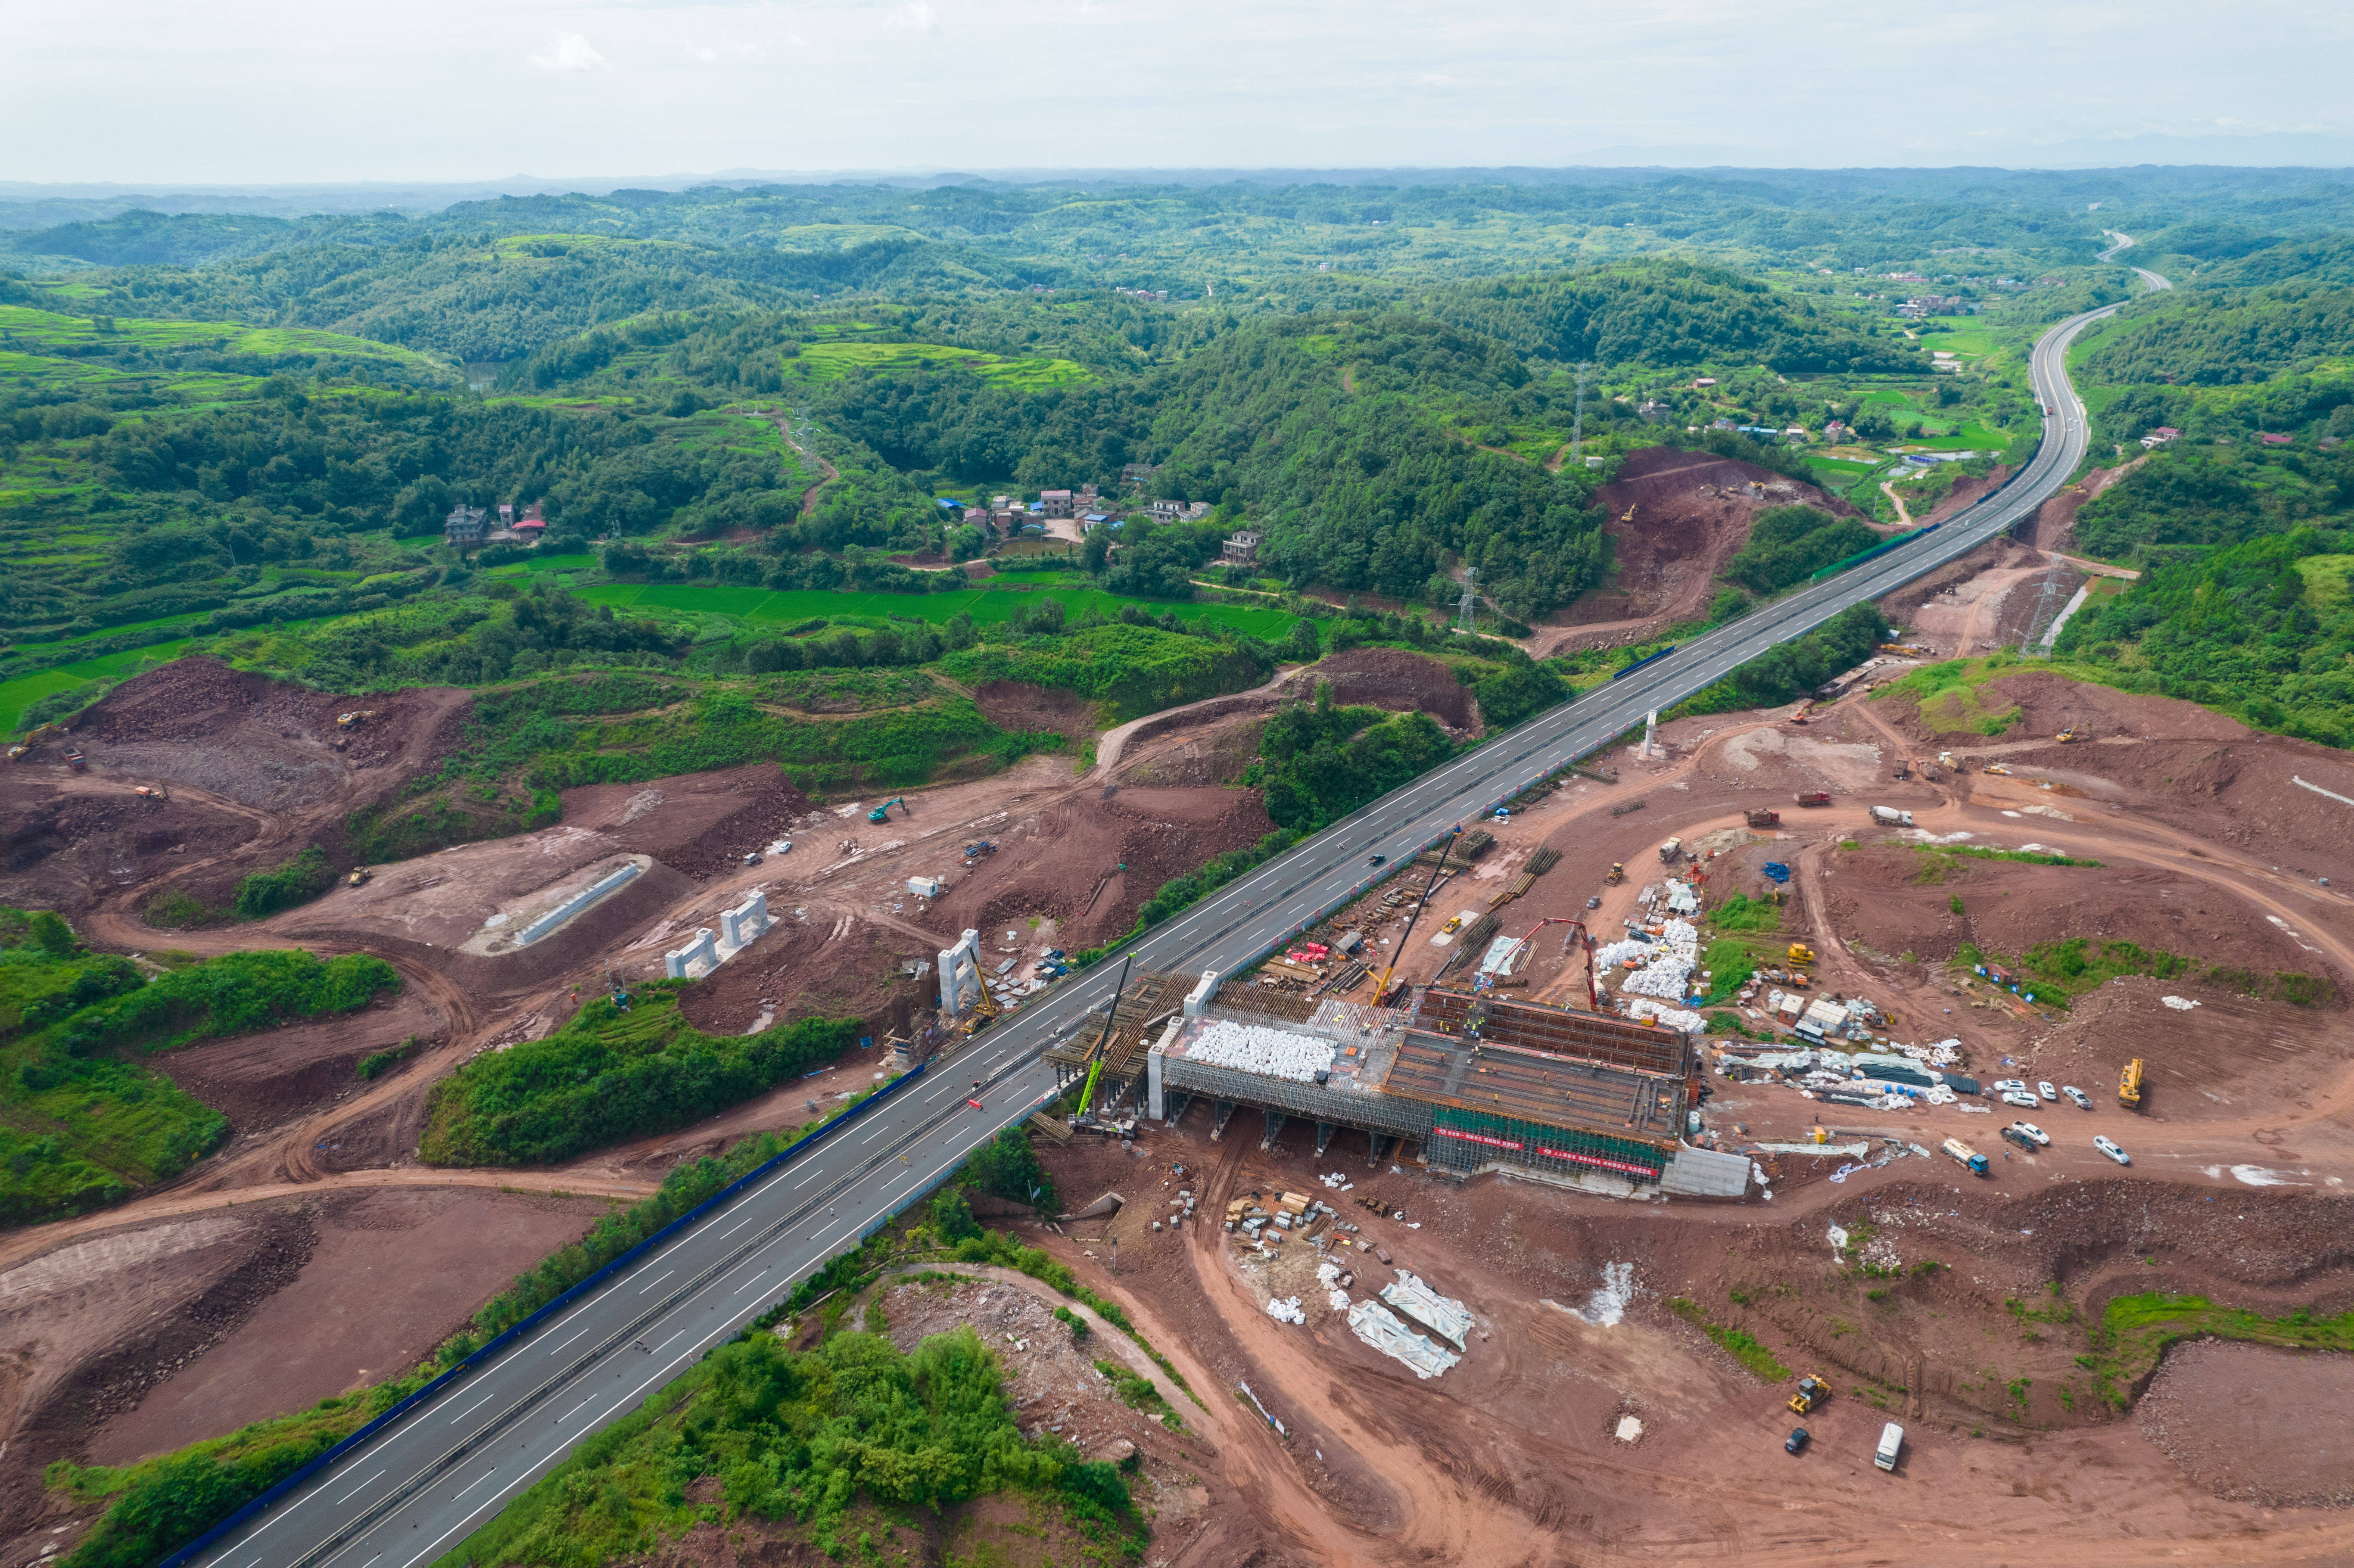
1577, 428
1469, 603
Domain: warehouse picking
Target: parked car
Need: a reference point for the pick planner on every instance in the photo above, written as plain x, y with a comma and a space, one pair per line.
2046, 1090
2019, 1097
2009, 1085
2112, 1151
2030, 1130
1795, 1441
2077, 1095
1595, 902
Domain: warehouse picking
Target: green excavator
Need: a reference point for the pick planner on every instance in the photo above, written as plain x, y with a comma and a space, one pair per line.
882, 813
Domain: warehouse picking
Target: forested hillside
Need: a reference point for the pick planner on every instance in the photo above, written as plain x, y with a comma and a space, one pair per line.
1666, 313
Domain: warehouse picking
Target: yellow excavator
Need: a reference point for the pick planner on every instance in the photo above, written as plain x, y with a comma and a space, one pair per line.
2129, 1086
2073, 732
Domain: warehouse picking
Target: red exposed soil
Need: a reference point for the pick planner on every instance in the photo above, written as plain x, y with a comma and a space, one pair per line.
799, 970
1065, 864
389, 1277
1676, 518
2056, 520
699, 823
262, 1080
2254, 1423
2000, 553
1018, 705
257, 769
1395, 679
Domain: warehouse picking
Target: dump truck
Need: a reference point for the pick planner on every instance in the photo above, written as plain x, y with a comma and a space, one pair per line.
1812, 1390
1764, 819
2129, 1086
1813, 797
1892, 1443
1891, 817
1670, 850
1970, 1159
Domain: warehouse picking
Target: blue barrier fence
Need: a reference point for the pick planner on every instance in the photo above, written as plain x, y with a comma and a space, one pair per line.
328, 1460
1645, 659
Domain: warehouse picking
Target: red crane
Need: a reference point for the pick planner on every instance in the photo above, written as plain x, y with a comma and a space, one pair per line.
1593, 988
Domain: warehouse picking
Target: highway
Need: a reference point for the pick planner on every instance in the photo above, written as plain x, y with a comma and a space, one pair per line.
418, 1490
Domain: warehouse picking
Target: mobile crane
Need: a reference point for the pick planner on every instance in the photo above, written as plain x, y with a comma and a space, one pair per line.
1095, 1051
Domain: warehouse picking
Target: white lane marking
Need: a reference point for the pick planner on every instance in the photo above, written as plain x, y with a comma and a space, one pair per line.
749, 1283
650, 1284
807, 1179
476, 1406
486, 1475
361, 1488
738, 1225
570, 1337
576, 1410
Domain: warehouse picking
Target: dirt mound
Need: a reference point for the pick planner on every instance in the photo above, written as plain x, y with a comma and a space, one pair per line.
263, 742
1394, 679
1968, 492
71, 838
804, 969
266, 1079
1676, 517
702, 824
1018, 705
2255, 1424
1065, 865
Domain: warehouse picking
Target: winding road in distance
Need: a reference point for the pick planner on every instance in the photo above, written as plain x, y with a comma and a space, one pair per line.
417, 1490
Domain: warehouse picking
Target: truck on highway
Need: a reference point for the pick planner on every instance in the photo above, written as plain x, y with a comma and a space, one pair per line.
1970, 1158
1891, 817
1892, 1443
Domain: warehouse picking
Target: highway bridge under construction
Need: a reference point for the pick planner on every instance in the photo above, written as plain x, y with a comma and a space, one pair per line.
1471, 1081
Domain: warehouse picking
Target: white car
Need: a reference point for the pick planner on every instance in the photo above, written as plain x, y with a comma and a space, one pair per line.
2112, 1151
2015, 1097
2009, 1086
2077, 1095
2033, 1131
2046, 1090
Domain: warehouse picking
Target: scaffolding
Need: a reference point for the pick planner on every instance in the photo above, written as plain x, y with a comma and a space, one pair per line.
1143, 1004
1552, 1094
1558, 1030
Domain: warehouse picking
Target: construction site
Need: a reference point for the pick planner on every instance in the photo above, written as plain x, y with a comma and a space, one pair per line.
1492, 1217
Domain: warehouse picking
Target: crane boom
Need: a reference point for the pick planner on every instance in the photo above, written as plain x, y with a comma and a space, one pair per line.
1096, 1051
1437, 870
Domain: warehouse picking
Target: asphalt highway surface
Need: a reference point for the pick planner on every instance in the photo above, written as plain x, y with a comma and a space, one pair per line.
419, 1489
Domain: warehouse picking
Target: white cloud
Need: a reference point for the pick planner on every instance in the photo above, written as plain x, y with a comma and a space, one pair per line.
916, 17
570, 52
741, 49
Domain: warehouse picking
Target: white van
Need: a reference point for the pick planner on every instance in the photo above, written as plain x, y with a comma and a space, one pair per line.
1892, 1441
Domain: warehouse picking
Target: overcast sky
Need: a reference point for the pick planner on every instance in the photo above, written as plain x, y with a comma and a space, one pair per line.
155, 91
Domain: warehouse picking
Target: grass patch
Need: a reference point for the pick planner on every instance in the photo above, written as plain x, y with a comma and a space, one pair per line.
83, 1122
2058, 971
2136, 1330
609, 1075
1735, 1343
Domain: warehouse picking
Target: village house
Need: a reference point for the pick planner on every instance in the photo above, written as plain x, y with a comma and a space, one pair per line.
1242, 550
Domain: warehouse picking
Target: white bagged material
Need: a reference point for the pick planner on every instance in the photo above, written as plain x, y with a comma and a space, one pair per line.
1268, 1052
1286, 1310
